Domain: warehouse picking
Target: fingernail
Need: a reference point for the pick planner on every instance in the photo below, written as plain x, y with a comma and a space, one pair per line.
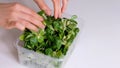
23, 28
43, 26
36, 30
60, 15
55, 17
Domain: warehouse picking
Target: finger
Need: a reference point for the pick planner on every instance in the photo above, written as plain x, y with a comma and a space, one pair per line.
56, 8
20, 26
15, 24
59, 12
64, 5
10, 24
42, 5
28, 11
30, 19
28, 25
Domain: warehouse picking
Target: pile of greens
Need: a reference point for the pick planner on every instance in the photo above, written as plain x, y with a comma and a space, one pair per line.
55, 39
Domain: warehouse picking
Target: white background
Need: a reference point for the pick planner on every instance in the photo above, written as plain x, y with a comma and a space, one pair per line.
99, 41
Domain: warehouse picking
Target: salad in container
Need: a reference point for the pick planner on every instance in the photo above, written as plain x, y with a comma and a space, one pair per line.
49, 47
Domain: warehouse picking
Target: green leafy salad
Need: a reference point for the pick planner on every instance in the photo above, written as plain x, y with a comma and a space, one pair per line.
55, 39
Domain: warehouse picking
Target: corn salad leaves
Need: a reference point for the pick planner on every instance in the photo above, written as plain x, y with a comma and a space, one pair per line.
55, 39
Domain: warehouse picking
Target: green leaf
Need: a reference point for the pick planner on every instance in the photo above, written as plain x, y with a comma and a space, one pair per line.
42, 13
65, 49
56, 25
44, 23
55, 39
48, 51
58, 44
57, 54
22, 37
41, 32
29, 36
34, 41
40, 39
74, 17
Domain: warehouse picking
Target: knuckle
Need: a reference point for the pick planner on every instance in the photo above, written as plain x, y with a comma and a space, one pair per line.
15, 24
26, 23
11, 24
7, 27
32, 12
15, 6
31, 19
12, 14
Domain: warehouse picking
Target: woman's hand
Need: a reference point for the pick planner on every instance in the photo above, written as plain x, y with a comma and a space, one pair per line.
58, 9
14, 15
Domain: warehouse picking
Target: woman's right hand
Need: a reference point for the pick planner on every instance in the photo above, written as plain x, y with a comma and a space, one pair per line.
14, 15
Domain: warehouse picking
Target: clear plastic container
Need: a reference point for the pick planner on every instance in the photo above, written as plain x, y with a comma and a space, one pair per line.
36, 60
33, 59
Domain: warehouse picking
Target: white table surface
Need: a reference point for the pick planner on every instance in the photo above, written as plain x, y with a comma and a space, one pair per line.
99, 41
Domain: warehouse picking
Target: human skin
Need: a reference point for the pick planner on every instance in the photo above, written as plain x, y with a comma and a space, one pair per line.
15, 15
58, 8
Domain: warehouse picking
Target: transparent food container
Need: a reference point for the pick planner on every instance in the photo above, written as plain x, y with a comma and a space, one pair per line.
33, 59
